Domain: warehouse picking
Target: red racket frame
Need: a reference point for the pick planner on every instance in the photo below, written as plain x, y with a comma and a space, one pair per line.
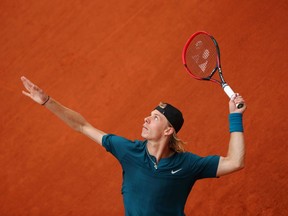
217, 66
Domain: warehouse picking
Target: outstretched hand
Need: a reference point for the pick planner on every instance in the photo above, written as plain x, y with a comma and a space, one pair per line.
34, 92
236, 99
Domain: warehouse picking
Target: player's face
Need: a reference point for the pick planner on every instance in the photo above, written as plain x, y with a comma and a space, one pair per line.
154, 126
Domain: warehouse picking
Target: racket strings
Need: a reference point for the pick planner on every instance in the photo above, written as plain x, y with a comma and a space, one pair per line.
201, 56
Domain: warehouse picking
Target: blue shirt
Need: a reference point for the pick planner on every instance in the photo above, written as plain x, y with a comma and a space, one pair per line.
157, 192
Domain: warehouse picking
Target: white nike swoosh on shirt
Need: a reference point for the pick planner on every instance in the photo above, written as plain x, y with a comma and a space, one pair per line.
173, 172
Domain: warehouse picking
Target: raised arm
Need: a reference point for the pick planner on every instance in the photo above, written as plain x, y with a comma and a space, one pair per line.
70, 117
234, 160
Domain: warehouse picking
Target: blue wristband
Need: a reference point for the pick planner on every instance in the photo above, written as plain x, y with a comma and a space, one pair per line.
235, 122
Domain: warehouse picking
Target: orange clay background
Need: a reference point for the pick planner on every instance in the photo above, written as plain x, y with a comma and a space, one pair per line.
113, 61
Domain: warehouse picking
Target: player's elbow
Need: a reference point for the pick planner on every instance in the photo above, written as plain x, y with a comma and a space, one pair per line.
238, 165
228, 166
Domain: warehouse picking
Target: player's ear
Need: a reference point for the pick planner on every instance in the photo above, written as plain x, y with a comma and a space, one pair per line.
169, 130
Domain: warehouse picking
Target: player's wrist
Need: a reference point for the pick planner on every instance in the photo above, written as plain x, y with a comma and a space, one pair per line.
236, 122
47, 99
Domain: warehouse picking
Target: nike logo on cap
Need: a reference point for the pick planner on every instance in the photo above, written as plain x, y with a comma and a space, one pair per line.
173, 172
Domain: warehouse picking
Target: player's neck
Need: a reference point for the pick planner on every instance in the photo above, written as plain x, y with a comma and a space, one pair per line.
159, 150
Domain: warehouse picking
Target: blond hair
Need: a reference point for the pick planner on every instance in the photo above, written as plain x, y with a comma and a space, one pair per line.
176, 144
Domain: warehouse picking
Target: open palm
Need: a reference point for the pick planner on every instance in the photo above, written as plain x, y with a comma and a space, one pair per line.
33, 91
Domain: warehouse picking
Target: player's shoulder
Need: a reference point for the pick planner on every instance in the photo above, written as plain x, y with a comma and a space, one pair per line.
188, 157
121, 139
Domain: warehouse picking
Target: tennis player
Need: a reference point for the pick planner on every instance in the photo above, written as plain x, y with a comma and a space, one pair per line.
158, 174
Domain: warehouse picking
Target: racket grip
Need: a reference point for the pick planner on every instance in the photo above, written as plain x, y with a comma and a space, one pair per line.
227, 89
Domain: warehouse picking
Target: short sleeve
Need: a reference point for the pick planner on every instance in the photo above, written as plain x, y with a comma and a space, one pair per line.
203, 167
209, 166
116, 145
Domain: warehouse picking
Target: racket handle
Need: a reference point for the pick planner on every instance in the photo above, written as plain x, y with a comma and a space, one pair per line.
230, 93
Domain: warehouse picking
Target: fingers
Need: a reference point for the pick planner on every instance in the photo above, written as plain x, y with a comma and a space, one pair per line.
237, 103
239, 99
27, 83
26, 94
234, 96
33, 91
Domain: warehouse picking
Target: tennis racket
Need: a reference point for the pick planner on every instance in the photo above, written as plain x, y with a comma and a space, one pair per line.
201, 58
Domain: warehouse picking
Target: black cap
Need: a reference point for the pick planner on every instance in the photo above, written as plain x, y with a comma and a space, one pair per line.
173, 115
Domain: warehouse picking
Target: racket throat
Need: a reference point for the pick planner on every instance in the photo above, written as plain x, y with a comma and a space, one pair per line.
221, 76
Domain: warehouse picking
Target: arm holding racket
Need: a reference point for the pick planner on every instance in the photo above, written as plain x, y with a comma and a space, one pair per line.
70, 117
234, 160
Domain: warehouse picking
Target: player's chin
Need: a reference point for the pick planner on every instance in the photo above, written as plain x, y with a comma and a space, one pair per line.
144, 133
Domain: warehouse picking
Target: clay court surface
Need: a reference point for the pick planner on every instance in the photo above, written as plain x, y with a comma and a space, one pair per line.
114, 61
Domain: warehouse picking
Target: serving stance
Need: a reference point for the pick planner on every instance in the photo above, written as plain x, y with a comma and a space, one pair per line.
157, 173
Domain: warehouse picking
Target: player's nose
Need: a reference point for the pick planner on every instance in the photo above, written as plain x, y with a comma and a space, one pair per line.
146, 119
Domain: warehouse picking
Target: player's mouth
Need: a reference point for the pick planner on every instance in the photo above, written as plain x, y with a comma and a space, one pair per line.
144, 127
